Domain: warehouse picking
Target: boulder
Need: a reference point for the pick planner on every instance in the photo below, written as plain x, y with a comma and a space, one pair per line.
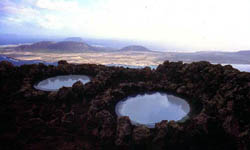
123, 131
62, 62
141, 135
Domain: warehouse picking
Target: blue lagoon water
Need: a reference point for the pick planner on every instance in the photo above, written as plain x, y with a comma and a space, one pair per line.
55, 83
148, 109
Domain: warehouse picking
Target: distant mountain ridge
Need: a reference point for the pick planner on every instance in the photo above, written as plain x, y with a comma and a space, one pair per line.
74, 39
70, 45
135, 48
38, 45
64, 46
245, 52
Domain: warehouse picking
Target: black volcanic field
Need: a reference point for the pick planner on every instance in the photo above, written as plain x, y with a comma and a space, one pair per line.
83, 117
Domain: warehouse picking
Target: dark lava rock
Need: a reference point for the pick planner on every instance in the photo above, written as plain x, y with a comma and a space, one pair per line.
78, 86
83, 117
159, 141
66, 95
62, 62
141, 135
123, 132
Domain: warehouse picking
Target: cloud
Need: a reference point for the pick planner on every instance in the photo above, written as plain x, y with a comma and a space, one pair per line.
193, 24
51, 22
24, 18
58, 5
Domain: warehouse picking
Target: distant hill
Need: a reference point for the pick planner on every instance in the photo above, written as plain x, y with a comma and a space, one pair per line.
68, 45
245, 52
93, 44
135, 48
35, 46
64, 46
74, 39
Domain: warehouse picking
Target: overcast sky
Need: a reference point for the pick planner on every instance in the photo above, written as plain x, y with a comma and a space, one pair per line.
190, 24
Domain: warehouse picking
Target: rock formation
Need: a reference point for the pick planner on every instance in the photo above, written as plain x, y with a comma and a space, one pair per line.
83, 117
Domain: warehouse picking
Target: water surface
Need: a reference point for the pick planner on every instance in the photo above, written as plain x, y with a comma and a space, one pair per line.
240, 67
55, 83
149, 109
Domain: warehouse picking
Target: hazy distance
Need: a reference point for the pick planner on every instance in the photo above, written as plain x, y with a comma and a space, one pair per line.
166, 25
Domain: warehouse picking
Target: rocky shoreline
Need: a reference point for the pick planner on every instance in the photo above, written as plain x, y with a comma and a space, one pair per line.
83, 117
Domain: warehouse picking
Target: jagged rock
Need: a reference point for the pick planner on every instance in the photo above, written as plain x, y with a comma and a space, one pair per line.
123, 131
62, 62
105, 118
106, 122
52, 96
218, 96
181, 90
68, 117
78, 87
231, 126
159, 141
141, 135
118, 94
65, 95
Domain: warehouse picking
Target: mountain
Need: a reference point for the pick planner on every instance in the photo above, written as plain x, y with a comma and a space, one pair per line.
245, 52
71, 46
74, 39
35, 46
64, 46
135, 48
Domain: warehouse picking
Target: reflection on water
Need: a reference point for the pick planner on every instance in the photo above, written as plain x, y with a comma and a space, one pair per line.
55, 83
149, 109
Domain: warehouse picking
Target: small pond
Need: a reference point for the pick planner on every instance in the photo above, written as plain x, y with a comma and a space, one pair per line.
148, 109
55, 83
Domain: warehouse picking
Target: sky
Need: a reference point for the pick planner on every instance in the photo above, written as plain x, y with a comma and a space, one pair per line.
186, 24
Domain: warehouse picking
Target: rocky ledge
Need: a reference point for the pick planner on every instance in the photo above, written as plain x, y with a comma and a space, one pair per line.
83, 117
